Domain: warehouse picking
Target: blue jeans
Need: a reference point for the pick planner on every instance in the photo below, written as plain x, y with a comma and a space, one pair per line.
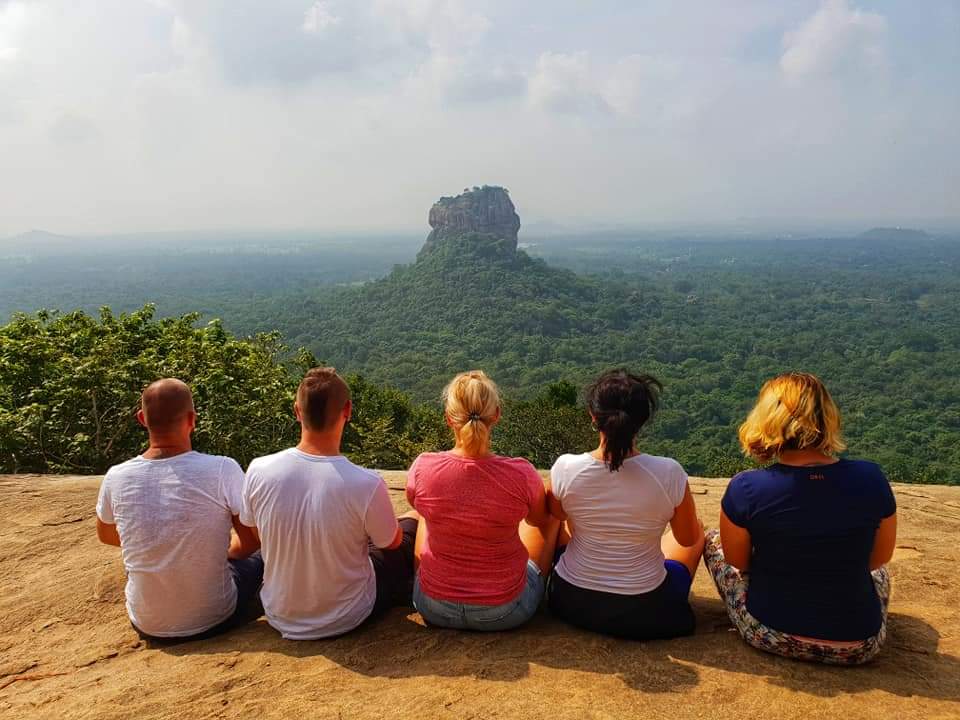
461, 616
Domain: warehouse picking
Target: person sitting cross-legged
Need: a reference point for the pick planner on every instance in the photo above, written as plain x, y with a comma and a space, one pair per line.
334, 552
486, 541
170, 511
619, 574
799, 559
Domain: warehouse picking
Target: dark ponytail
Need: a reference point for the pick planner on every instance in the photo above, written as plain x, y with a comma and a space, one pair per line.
621, 404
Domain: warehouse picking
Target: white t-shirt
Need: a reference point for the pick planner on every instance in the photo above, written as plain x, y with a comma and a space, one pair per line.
174, 519
618, 519
315, 515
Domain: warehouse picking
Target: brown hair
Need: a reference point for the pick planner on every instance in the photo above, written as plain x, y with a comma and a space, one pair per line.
793, 411
322, 395
471, 401
621, 403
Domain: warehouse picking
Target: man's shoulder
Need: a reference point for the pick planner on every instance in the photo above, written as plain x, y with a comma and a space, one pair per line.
358, 473
125, 465
268, 462
127, 468
212, 461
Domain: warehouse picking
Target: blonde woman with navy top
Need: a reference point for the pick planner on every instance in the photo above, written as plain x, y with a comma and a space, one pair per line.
800, 556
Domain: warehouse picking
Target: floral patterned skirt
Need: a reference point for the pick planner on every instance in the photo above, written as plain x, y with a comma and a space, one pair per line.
732, 586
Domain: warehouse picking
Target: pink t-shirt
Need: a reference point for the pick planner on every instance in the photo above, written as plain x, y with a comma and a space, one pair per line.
473, 508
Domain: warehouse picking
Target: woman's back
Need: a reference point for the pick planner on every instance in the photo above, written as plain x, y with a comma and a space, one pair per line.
618, 520
812, 530
472, 507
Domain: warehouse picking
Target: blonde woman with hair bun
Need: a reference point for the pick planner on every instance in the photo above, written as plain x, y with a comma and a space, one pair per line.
813, 530
486, 540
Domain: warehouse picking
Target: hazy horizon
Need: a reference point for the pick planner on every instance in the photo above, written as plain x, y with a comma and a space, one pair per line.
538, 231
336, 117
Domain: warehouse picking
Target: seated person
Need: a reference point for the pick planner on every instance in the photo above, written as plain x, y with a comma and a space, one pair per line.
170, 511
619, 574
334, 552
813, 531
481, 567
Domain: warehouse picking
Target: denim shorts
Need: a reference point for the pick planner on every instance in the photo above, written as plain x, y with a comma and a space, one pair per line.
461, 616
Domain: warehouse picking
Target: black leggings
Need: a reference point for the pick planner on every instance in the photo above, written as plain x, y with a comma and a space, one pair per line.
657, 614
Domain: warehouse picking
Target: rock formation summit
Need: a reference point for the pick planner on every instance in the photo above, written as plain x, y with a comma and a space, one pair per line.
485, 210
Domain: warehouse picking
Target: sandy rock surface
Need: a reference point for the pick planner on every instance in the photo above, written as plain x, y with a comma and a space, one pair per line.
67, 650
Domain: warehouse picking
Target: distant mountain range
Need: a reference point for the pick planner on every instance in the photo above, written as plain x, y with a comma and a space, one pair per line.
894, 233
34, 240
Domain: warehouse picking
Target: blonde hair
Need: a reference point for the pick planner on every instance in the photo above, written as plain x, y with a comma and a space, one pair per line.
793, 411
472, 404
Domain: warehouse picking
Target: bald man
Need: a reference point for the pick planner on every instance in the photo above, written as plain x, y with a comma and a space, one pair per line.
170, 511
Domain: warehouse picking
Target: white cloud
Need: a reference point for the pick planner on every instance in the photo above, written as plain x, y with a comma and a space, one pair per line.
467, 79
834, 37
319, 17
565, 83
214, 113
12, 18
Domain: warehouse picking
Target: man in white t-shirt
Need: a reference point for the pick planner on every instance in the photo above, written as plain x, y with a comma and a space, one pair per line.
170, 511
334, 552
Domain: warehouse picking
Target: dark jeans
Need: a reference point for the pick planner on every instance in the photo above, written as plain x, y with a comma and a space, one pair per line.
394, 571
248, 577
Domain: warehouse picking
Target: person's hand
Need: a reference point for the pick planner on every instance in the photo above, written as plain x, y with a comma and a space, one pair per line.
233, 549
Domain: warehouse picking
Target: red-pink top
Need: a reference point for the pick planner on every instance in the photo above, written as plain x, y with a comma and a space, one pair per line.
473, 508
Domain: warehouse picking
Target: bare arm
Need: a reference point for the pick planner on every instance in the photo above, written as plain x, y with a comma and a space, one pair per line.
244, 542
736, 543
685, 524
554, 506
884, 542
397, 539
539, 513
107, 533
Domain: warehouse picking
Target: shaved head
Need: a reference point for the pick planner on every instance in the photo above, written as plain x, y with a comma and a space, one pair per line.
165, 403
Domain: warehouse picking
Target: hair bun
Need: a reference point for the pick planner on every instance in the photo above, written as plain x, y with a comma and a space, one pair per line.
622, 403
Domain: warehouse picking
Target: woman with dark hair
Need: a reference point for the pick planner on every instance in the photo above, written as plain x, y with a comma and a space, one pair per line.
619, 575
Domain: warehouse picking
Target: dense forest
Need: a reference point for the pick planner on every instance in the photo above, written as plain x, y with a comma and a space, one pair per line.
712, 321
70, 387
712, 318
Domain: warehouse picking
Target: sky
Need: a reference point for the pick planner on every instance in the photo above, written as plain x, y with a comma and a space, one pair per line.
160, 115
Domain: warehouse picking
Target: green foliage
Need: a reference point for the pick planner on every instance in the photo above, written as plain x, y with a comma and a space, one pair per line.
711, 319
71, 384
70, 388
541, 431
387, 430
